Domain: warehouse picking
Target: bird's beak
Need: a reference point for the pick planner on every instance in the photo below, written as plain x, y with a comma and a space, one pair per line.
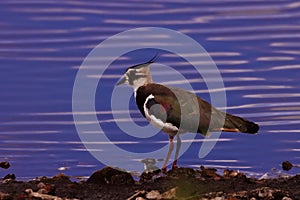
121, 81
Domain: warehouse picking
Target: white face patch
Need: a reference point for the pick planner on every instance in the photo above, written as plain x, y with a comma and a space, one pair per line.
157, 122
138, 77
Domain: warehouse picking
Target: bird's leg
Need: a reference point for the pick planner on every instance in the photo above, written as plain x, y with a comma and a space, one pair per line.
178, 145
171, 147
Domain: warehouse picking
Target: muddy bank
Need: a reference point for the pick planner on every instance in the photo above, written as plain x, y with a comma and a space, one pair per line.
181, 183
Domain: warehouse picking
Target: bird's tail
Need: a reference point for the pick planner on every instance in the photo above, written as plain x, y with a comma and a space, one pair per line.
238, 124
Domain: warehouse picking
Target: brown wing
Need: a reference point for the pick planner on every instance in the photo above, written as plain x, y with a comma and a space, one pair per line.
184, 109
189, 112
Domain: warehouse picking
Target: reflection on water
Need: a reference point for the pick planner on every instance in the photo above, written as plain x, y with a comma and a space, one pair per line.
42, 44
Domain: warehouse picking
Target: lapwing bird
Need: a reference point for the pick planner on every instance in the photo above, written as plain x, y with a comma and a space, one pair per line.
176, 111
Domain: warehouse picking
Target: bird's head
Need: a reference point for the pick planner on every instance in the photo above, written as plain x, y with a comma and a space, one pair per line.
137, 75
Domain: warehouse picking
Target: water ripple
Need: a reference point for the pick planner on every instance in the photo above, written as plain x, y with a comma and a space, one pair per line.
274, 95
247, 87
275, 58
256, 37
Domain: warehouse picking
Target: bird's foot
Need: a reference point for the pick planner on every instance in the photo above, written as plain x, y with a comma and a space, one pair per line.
164, 170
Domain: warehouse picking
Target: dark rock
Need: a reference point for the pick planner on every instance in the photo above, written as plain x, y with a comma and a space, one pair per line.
286, 165
110, 175
181, 172
180, 184
121, 179
10, 176
4, 165
61, 178
210, 173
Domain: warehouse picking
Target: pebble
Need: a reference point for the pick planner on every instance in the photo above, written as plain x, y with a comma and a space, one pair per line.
286, 165
137, 194
265, 192
230, 173
153, 194
140, 198
219, 198
286, 198
43, 191
41, 185
170, 194
32, 194
4, 196
4, 165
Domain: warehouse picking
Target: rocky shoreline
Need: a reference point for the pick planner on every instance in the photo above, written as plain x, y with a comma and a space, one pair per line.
180, 183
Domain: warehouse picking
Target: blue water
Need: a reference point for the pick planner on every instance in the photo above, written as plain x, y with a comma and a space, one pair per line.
255, 45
